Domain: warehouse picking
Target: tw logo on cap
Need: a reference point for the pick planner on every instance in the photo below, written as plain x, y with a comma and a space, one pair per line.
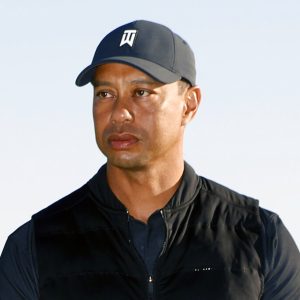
128, 37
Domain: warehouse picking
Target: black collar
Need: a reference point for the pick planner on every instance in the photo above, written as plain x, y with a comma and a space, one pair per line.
186, 192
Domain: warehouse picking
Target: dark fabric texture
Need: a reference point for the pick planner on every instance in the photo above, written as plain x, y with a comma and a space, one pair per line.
209, 251
218, 245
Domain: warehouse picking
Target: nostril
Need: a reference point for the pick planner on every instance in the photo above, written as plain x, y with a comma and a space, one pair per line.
121, 115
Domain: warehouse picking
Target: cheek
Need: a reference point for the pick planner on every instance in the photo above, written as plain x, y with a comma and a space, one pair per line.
164, 126
171, 117
99, 124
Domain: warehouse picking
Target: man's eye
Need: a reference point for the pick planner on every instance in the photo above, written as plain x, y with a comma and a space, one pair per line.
104, 95
142, 93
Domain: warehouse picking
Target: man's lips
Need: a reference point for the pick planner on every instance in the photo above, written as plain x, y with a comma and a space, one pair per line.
122, 141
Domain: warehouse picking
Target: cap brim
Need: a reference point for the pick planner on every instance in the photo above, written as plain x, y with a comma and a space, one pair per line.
154, 70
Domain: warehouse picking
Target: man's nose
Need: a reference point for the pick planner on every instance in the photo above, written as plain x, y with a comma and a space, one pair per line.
121, 111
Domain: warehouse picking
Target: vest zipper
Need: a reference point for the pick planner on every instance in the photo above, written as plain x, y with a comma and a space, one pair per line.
149, 277
164, 246
150, 287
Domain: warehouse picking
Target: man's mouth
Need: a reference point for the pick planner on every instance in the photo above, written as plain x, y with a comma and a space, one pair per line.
122, 141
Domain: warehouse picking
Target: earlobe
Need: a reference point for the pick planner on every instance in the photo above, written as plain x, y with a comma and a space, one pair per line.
192, 102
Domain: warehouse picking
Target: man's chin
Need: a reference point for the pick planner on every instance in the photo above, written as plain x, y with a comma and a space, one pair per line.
126, 163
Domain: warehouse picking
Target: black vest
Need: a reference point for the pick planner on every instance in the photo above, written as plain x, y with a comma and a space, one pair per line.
84, 248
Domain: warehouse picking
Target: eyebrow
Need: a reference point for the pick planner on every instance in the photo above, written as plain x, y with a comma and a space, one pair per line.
145, 81
97, 83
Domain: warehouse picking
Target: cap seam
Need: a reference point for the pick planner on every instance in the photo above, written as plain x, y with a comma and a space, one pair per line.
174, 49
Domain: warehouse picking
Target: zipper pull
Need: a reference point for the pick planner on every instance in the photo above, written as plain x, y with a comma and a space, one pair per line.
150, 287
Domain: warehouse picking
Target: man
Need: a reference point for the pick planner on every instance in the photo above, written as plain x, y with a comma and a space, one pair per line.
146, 226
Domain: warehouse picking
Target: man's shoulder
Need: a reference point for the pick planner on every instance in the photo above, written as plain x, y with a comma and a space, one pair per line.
73, 199
222, 193
18, 239
64, 204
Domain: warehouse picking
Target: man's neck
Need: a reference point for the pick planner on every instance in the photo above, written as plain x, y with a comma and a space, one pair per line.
145, 191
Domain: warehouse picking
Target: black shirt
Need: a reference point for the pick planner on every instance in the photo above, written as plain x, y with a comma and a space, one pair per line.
148, 238
279, 254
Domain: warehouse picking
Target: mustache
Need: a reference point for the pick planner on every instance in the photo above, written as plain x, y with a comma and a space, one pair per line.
138, 133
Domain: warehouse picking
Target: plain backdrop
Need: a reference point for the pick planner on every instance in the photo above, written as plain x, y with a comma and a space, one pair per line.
245, 136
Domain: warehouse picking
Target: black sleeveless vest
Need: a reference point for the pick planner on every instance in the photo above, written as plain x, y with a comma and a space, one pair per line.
84, 248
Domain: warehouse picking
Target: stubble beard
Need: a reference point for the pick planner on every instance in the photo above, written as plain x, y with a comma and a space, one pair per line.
125, 160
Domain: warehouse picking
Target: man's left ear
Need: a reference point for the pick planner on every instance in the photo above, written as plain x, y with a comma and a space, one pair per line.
192, 102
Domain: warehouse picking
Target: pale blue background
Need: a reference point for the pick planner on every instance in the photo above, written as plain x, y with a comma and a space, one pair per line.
246, 135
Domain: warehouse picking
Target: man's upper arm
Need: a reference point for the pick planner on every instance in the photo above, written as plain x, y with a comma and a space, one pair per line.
282, 277
18, 276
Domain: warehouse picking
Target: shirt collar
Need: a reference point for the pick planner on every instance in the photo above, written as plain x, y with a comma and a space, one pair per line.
190, 185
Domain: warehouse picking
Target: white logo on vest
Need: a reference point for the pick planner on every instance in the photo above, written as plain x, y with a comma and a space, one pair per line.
128, 37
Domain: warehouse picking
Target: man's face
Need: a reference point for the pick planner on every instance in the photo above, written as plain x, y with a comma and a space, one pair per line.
138, 121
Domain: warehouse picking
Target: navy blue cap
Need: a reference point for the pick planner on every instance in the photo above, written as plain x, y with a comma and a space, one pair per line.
150, 47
